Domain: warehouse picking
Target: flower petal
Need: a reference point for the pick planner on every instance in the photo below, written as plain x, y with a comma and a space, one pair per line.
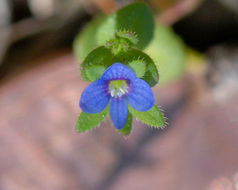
140, 96
118, 112
118, 71
94, 98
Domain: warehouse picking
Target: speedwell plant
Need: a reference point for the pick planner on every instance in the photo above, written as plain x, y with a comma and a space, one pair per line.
121, 74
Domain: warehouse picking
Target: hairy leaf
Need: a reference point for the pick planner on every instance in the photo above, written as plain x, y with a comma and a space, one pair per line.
95, 72
100, 56
87, 121
128, 35
138, 67
151, 75
153, 117
138, 18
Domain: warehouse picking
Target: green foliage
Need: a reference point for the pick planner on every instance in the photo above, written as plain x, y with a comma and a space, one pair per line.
138, 67
127, 128
153, 117
103, 56
151, 75
86, 40
135, 18
120, 38
100, 56
168, 52
128, 35
106, 30
87, 121
95, 72
118, 45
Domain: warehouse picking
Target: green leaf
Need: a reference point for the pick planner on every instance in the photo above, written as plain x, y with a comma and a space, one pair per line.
151, 75
168, 52
127, 127
153, 117
138, 18
106, 30
95, 72
138, 67
99, 58
128, 35
88, 121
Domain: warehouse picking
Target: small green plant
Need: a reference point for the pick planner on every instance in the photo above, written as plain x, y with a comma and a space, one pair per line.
113, 52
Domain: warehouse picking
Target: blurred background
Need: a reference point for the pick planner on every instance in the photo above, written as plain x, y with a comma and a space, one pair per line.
40, 86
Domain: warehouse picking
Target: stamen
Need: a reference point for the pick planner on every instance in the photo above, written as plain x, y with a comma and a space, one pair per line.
118, 88
113, 91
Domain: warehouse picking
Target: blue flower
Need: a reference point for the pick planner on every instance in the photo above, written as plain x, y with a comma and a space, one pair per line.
117, 86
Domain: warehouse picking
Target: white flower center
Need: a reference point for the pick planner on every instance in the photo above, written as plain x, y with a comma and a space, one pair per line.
117, 88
